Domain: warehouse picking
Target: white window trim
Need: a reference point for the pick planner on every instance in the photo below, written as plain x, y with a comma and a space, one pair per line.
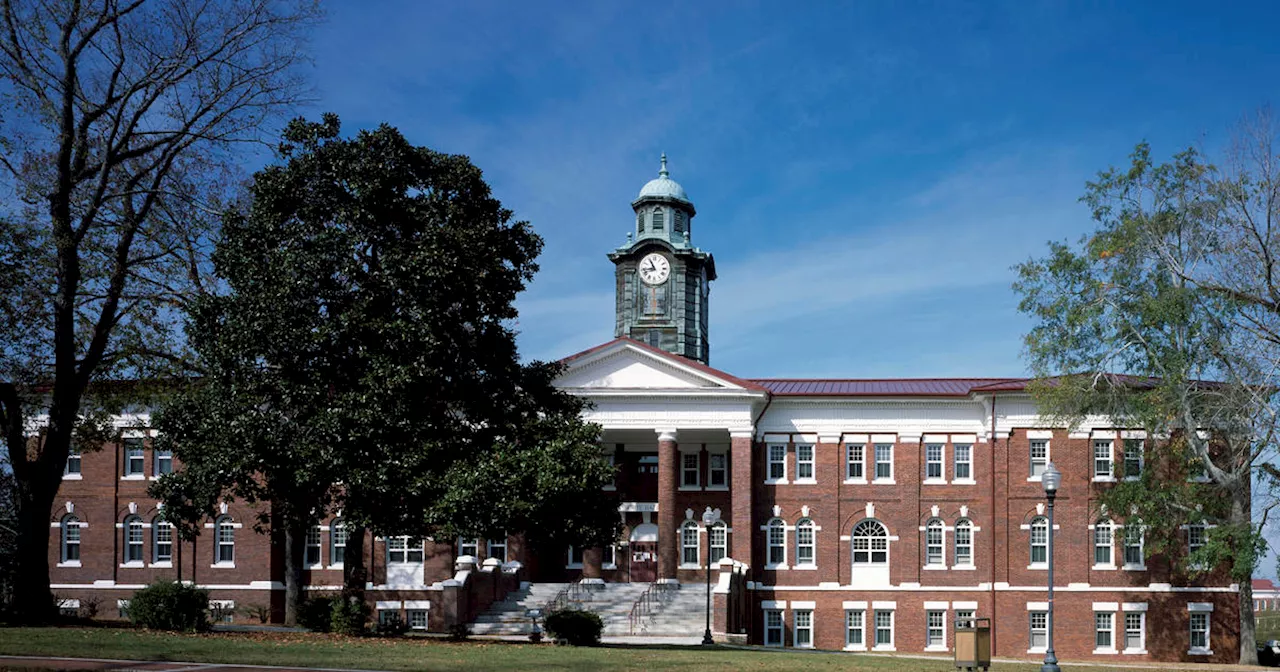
1093, 547
697, 471
1140, 608
1037, 607
768, 545
962, 481
855, 481
1111, 459
769, 462
697, 545
935, 647
860, 607
1110, 610
1142, 546
814, 563
782, 634
718, 488
942, 462
813, 462
568, 558
1048, 456
875, 477
1201, 607
1142, 460
893, 636
796, 609
924, 530
973, 545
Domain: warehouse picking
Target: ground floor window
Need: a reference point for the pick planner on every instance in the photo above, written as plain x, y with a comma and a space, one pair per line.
1039, 630
575, 557
935, 635
964, 618
772, 627
1199, 632
1135, 631
884, 629
1104, 631
418, 619
854, 629
498, 549
803, 628
388, 616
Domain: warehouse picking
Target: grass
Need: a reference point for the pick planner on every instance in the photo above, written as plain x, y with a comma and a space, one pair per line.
1268, 624
315, 650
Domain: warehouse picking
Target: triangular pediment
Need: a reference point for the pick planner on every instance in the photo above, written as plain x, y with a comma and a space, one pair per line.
627, 365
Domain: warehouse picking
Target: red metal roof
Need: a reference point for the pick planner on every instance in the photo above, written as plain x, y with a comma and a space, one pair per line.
1263, 584
887, 387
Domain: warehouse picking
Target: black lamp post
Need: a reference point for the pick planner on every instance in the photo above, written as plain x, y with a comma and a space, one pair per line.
1050, 479
709, 517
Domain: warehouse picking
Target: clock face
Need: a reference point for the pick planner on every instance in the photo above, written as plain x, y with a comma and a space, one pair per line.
654, 269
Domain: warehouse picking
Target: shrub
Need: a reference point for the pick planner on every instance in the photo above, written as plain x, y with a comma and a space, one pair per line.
260, 612
348, 617
168, 605
316, 614
459, 632
391, 626
576, 627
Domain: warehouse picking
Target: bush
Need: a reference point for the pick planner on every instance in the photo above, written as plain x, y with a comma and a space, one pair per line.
391, 626
316, 614
348, 617
459, 632
168, 605
576, 627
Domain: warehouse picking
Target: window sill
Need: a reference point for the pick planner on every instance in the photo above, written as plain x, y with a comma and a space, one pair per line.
934, 568
1103, 568
223, 565
338, 566
1105, 652
73, 477
165, 564
1131, 479
73, 563
133, 477
936, 649
1033, 479
1140, 652
689, 488
782, 566
685, 565
934, 481
717, 488
1037, 649
132, 565
884, 481
802, 646
805, 568
805, 481
1104, 479
1039, 566
965, 568
856, 481
855, 647
964, 481
776, 481
608, 565
573, 565
1199, 652
1135, 568
312, 568
883, 647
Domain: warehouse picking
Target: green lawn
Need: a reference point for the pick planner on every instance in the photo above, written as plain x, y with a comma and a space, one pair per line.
314, 650
1268, 623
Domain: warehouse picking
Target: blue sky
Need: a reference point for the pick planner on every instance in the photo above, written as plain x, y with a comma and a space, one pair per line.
865, 173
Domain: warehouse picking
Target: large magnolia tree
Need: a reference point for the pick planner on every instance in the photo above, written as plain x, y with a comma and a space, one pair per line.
118, 124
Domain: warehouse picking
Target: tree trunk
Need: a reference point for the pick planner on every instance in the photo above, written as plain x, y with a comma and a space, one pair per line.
355, 574
32, 599
1241, 519
1248, 629
295, 535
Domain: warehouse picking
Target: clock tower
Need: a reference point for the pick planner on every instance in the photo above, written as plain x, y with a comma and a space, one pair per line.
662, 281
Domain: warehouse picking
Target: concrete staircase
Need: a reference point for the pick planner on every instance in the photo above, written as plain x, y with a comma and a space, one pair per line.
680, 613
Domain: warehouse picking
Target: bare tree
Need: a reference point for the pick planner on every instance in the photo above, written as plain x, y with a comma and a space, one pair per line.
122, 124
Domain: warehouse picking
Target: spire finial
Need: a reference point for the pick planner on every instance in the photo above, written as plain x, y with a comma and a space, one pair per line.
663, 172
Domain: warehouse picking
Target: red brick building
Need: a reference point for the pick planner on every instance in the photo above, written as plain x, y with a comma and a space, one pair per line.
854, 514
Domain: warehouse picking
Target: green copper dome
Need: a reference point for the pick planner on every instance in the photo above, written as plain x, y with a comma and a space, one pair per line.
663, 186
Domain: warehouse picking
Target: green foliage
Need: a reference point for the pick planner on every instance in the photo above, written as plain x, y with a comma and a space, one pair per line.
459, 632
576, 627
169, 605
391, 626
348, 617
316, 613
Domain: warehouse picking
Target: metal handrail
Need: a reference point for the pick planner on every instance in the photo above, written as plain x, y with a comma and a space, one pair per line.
571, 593
652, 596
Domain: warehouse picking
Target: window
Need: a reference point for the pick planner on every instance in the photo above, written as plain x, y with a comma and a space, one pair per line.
1040, 541
640, 222
162, 540
337, 543
73, 463
853, 461
1132, 458
772, 627
497, 549
884, 461
1102, 549
133, 457
777, 462
658, 223
133, 540
1199, 632
417, 619
689, 470
403, 550
854, 635
964, 542
679, 221
935, 633
388, 616
608, 556
718, 470
884, 629
225, 545
611, 460
933, 462
719, 542
777, 542
1135, 631
575, 557
163, 462
1102, 460
1195, 537
804, 462
933, 534
689, 544
1039, 638
70, 539
653, 336
804, 542
802, 634
469, 547
964, 618
1039, 457
1103, 630
870, 543
1133, 540
964, 461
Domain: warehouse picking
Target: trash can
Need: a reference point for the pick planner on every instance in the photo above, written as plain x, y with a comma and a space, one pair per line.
973, 643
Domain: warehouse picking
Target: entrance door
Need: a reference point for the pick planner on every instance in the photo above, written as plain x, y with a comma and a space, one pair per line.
644, 553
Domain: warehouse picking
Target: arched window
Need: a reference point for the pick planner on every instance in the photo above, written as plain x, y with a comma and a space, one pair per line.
225, 547
719, 542
70, 539
1039, 540
312, 558
161, 540
658, 224
640, 222
805, 542
679, 223
777, 531
964, 542
933, 543
1102, 548
689, 543
870, 543
337, 542
133, 539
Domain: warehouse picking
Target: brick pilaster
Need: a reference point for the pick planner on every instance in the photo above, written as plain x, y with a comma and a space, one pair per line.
741, 484
668, 463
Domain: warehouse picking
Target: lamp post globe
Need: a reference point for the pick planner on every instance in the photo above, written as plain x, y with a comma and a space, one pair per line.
1050, 480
